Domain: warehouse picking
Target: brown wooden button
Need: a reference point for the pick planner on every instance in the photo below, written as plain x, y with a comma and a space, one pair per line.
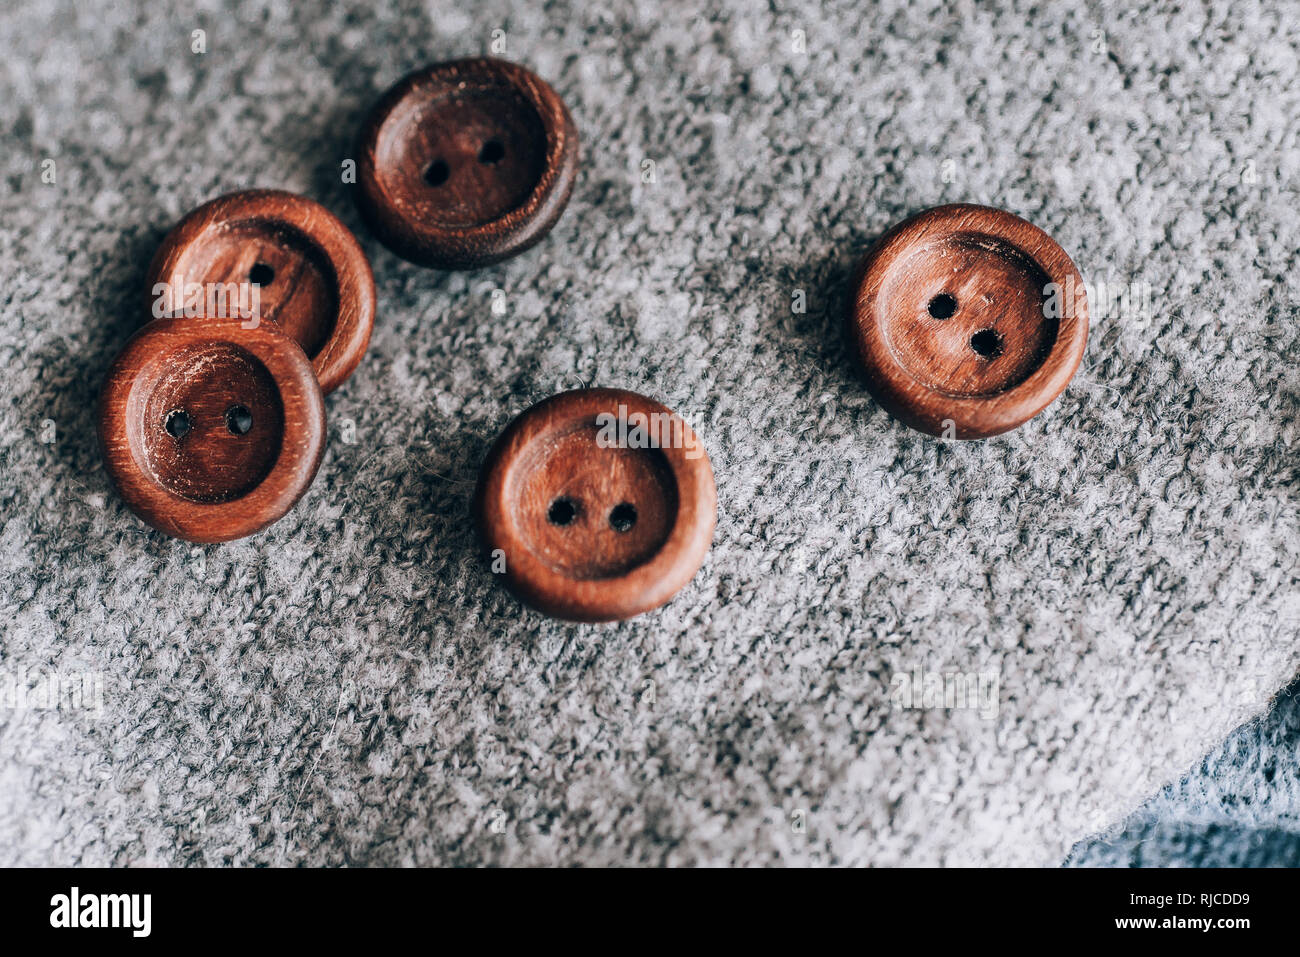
466, 163
211, 431
596, 504
313, 279
968, 320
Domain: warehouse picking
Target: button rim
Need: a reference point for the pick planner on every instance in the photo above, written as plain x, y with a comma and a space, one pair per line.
643, 588
301, 448
343, 351
469, 247
926, 409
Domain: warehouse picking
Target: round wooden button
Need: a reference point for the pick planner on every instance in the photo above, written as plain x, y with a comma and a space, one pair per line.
211, 431
466, 163
968, 320
598, 503
311, 276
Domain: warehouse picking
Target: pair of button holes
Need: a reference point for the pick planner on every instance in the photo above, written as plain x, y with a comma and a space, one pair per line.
179, 422
987, 343
564, 510
438, 172
238, 419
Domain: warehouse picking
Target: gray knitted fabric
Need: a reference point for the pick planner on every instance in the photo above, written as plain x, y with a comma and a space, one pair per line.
353, 686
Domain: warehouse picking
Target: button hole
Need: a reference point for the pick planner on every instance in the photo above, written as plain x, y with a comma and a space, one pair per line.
987, 343
943, 306
178, 423
437, 173
622, 517
238, 420
562, 511
261, 275
491, 153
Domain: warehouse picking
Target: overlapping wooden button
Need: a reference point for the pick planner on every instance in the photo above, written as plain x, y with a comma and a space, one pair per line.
466, 163
969, 321
597, 504
210, 430
305, 269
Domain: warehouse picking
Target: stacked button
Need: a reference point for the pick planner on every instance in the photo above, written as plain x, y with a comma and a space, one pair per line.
310, 275
211, 430
212, 419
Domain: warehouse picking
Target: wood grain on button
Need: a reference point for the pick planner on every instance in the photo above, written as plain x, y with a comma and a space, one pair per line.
211, 431
969, 321
594, 523
466, 163
313, 279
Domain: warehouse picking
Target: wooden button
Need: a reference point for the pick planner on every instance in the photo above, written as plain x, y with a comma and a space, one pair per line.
211, 431
466, 163
312, 278
969, 321
598, 503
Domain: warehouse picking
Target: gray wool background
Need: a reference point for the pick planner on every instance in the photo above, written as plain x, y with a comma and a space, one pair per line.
352, 686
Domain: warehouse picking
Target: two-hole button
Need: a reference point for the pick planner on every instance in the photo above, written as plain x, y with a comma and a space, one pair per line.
211, 430
968, 320
466, 163
265, 255
598, 504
